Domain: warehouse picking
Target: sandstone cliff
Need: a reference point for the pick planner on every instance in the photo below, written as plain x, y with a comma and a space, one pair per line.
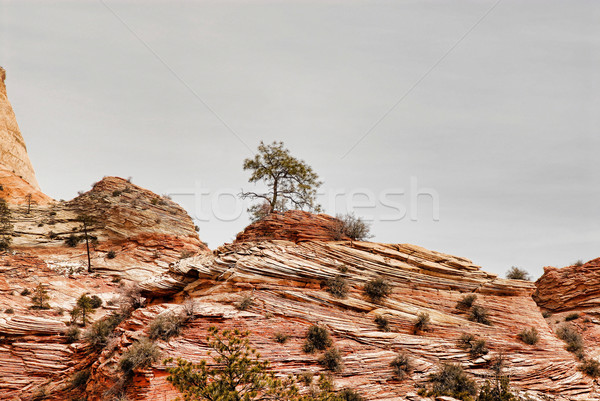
16, 172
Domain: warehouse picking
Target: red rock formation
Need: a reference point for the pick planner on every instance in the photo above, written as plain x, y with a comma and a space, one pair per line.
293, 225
567, 288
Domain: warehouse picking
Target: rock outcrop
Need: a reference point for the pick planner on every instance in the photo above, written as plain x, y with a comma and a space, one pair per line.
293, 225
16, 172
569, 288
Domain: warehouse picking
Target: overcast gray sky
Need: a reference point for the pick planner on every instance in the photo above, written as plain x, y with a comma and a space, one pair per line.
498, 110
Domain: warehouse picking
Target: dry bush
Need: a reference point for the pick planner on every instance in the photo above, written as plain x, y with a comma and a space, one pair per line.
351, 226
401, 365
377, 289
529, 336
337, 286
466, 301
332, 360
317, 339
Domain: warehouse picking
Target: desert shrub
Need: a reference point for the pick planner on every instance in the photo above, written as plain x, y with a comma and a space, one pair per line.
331, 360
5, 243
85, 306
377, 289
96, 301
466, 301
116, 193
421, 323
244, 303
351, 226
73, 333
348, 394
281, 338
317, 339
401, 365
111, 254
572, 316
25, 292
140, 355
186, 254
479, 314
40, 297
546, 314
73, 240
590, 367
80, 379
306, 378
343, 268
516, 273
571, 337
499, 390
337, 286
99, 334
529, 336
10, 311
578, 263
451, 380
6, 226
474, 345
382, 322
166, 326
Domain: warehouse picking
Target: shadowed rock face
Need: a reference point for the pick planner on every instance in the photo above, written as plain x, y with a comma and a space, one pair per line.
568, 288
14, 160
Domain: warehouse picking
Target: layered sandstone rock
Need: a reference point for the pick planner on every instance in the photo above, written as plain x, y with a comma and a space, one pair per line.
568, 288
16, 169
293, 225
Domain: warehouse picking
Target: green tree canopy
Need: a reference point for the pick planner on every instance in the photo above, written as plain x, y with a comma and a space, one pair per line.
291, 183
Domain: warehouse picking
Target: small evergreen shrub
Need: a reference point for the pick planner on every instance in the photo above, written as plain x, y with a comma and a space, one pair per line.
466, 301
479, 314
571, 337
306, 378
111, 255
451, 380
516, 273
572, 316
474, 345
401, 366
25, 292
317, 339
590, 367
382, 322
10, 311
377, 289
332, 360
546, 314
337, 286
73, 240
140, 355
166, 326
281, 338
578, 263
422, 322
529, 336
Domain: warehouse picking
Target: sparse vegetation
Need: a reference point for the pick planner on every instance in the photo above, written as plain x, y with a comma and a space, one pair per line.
332, 360
116, 193
451, 380
546, 314
474, 345
80, 379
281, 338
401, 366
186, 254
529, 336
317, 339
6, 227
377, 289
348, 394
140, 355
466, 301
337, 286
349, 225
244, 303
40, 297
25, 292
421, 323
572, 338
73, 240
572, 316
590, 367
166, 326
85, 306
516, 273
73, 333
479, 314
578, 263
10, 311
382, 322
111, 254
